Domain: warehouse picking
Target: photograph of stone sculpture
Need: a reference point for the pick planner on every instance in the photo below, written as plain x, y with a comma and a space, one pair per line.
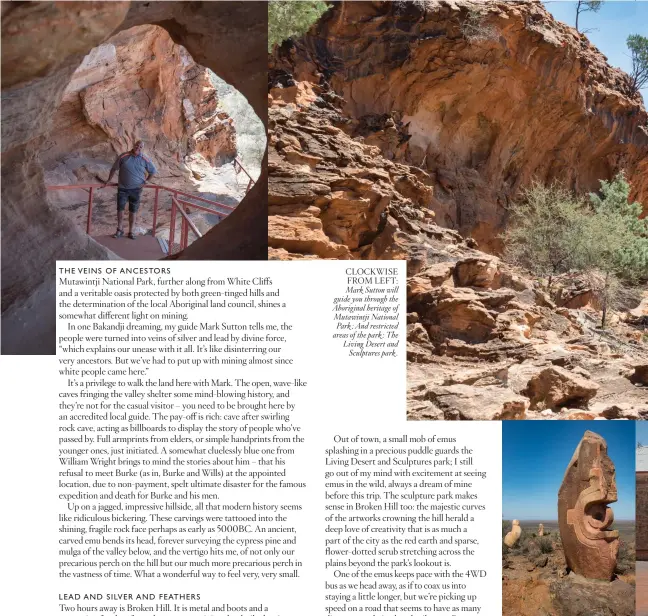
568, 529
501, 148
130, 130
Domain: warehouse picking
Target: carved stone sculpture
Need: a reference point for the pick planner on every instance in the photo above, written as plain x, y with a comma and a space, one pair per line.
541, 530
513, 536
588, 487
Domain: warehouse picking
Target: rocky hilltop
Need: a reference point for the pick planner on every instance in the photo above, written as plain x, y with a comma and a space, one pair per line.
398, 132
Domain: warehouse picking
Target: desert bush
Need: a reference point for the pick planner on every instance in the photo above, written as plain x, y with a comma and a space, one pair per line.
625, 558
552, 232
475, 29
546, 545
544, 229
527, 544
290, 18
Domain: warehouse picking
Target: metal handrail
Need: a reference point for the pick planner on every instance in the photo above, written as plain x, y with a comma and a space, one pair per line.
189, 221
244, 170
157, 188
185, 225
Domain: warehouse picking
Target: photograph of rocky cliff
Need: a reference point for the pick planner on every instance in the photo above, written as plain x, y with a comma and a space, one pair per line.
497, 150
86, 83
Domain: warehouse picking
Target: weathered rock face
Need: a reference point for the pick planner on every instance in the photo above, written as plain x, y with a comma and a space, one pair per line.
482, 115
137, 85
588, 487
43, 43
479, 330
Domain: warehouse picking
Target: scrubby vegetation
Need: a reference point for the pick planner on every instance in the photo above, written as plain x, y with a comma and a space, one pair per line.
552, 231
475, 29
289, 18
638, 46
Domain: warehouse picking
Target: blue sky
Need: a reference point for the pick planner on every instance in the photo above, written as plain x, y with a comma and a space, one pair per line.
535, 455
611, 26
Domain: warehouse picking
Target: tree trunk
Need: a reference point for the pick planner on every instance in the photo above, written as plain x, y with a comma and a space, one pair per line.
578, 9
605, 300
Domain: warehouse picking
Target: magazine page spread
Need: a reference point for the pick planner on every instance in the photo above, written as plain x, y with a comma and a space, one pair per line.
303, 301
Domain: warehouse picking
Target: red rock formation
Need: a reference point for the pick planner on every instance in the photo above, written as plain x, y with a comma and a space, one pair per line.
43, 43
376, 86
532, 98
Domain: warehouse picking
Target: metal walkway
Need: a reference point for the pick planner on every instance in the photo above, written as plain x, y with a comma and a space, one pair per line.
149, 246
144, 248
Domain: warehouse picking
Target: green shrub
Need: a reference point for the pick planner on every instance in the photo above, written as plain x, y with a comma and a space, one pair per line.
291, 18
551, 231
545, 228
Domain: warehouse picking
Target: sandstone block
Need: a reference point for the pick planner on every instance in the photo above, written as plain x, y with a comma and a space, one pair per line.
476, 272
555, 387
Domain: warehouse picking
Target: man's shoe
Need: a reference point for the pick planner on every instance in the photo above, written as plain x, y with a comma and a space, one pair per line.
118, 234
131, 236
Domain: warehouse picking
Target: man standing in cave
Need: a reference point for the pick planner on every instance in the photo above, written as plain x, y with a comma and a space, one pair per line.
134, 170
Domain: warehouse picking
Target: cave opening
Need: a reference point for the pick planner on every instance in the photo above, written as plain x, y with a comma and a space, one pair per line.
43, 44
200, 133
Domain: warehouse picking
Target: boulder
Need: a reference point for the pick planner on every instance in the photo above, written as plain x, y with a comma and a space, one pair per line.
459, 313
476, 272
620, 411
554, 387
640, 375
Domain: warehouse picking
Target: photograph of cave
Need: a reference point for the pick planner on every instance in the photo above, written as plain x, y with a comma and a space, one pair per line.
130, 130
501, 148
